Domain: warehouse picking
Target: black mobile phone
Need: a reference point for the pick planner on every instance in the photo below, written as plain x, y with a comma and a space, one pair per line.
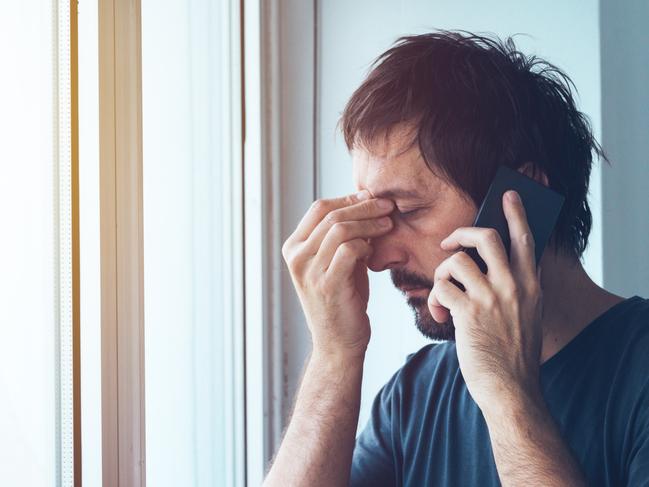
542, 206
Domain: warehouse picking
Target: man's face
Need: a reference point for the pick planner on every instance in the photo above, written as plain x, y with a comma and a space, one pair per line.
411, 249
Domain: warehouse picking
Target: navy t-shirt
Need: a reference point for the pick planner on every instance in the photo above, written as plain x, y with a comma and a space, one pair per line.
425, 429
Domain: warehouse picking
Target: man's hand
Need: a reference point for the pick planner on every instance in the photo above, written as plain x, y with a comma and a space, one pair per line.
498, 337
325, 256
497, 319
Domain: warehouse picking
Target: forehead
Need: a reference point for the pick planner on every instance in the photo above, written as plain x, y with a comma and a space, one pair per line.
391, 169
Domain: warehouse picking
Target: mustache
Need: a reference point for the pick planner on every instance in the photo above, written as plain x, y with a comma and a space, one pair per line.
402, 278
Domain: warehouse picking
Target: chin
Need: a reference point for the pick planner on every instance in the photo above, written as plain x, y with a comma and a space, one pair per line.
427, 325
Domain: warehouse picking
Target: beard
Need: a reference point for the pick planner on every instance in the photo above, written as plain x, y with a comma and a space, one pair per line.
423, 319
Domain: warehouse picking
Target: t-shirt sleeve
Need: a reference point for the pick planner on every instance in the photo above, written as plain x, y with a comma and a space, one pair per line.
373, 462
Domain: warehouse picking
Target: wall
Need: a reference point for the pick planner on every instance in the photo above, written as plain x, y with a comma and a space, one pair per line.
625, 122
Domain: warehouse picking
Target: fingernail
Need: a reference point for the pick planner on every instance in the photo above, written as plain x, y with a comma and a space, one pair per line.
363, 195
385, 204
513, 196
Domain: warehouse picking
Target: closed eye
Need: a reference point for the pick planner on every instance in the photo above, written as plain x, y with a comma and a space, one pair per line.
406, 213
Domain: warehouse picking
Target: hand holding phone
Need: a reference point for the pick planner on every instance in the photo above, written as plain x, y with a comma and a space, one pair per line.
542, 206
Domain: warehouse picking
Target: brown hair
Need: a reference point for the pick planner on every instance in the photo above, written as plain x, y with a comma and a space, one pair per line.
475, 103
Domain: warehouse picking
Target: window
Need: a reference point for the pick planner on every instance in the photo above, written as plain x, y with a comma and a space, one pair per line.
37, 443
153, 285
192, 243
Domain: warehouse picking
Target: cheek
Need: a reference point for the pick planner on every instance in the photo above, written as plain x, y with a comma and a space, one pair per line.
424, 234
433, 227
422, 242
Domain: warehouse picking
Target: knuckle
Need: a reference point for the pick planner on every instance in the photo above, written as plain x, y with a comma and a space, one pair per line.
292, 263
339, 229
332, 218
294, 260
286, 249
528, 239
319, 206
490, 301
491, 235
347, 249
439, 272
459, 258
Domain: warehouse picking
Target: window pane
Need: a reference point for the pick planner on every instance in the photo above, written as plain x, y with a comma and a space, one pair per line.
190, 353
36, 447
89, 268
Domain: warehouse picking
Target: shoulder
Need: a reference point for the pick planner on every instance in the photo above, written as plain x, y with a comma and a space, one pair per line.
630, 332
637, 316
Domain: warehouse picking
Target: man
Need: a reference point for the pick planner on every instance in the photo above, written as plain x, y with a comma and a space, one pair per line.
541, 378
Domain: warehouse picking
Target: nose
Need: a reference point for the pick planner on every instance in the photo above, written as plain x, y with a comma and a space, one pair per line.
387, 253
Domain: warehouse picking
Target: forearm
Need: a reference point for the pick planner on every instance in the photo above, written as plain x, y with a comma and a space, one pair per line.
319, 441
527, 445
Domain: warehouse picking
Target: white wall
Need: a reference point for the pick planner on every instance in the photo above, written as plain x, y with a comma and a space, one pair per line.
352, 34
625, 119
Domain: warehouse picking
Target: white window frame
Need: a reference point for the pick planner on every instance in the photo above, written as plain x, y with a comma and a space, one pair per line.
121, 255
280, 52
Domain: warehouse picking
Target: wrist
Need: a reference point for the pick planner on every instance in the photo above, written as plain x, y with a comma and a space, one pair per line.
514, 405
337, 358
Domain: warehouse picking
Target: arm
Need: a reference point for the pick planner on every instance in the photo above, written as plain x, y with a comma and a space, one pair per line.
498, 334
326, 256
527, 445
318, 444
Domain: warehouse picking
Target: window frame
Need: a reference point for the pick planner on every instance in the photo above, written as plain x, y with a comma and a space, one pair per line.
280, 80
122, 250
274, 181
121, 254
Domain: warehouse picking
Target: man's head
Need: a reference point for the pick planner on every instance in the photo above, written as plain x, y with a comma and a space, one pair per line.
436, 116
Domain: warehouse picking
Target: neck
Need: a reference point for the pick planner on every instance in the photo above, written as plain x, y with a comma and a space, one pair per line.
571, 301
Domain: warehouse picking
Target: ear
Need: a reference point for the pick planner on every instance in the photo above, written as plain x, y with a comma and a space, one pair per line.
533, 171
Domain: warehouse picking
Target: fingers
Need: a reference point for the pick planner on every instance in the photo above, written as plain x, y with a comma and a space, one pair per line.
488, 244
347, 255
462, 268
319, 209
522, 256
345, 231
449, 296
329, 223
342, 224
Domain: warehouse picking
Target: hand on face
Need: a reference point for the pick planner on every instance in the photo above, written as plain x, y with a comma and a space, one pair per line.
497, 318
326, 256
